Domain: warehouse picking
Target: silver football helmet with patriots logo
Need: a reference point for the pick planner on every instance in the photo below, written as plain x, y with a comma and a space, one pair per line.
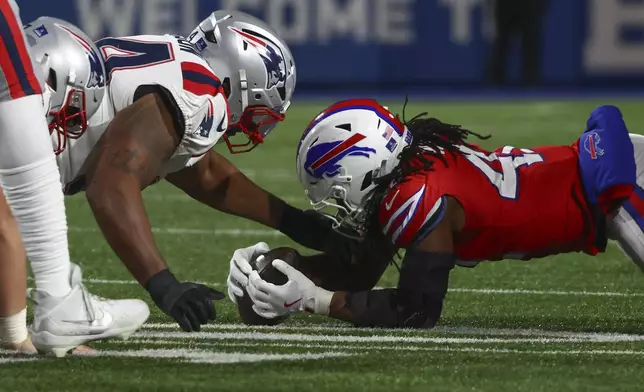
256, 68
342, 151
75, 75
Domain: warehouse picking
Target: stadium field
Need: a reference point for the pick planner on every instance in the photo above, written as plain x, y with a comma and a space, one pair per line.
564, 323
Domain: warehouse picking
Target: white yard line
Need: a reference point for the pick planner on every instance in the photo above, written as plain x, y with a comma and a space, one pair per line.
201, 356
546, 292
362, 348
187, 231
298, 337
190, 356
12, 359
454, 290
180, 197
334, 329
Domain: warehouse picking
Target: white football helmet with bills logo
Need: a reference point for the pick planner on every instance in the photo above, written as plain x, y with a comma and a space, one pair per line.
75, 75
342, 152
256, 68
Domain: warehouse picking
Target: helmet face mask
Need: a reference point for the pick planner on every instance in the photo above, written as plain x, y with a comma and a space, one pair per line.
348, 219
70, 122
256, 123
257, 70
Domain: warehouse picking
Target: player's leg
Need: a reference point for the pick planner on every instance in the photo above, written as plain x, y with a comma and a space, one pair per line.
65, 315
28, 170
626, 227
13, 285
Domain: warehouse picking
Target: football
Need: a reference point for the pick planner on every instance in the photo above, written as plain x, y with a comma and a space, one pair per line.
269, 273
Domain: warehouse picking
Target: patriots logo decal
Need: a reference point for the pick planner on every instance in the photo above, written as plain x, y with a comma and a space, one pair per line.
97, 74
322, 159
206, 124
270, 54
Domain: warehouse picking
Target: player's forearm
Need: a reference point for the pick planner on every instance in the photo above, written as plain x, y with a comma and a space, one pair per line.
335, 274
120, 213
338, 308
385, 308
217, 183
241, 197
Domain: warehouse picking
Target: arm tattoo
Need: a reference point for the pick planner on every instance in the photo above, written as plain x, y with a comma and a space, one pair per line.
128, 160
138, 142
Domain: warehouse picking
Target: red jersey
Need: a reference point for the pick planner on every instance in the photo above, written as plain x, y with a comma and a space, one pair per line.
518, 203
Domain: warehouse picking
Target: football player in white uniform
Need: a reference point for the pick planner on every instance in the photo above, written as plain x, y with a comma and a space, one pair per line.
30, 182
154, 111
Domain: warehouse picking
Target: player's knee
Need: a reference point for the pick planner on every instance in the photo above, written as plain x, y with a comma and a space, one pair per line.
606, 117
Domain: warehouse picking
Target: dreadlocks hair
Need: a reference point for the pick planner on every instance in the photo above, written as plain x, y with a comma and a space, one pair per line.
432, 139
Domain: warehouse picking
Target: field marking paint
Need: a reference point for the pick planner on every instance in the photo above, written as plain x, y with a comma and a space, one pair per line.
187, 231
16, 359
191, 356
180, 197
268, 336
546, 292
211, 357
358, 348
456, 290
591, 336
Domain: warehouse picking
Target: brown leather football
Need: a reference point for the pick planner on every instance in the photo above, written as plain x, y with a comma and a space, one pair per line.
270, 274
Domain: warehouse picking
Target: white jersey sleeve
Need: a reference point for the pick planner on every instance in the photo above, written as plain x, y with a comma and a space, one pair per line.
172, 63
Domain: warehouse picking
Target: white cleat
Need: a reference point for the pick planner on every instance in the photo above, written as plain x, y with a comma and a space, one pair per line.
63, 323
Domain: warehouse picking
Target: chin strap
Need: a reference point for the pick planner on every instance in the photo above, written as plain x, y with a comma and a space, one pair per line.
243, 81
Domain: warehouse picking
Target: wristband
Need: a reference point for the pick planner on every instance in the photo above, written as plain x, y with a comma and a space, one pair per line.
322, 301
159, 284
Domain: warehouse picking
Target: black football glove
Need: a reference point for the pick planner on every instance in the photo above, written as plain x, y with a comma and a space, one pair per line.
189, 304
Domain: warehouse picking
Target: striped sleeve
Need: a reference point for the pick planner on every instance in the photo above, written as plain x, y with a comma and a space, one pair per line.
409, 213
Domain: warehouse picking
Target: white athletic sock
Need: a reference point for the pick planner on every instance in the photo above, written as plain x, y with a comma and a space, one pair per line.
31, 182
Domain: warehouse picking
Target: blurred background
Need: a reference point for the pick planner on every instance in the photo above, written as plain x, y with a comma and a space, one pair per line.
413, 46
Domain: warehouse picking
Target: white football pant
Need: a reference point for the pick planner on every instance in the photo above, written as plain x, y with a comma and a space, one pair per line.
627, 226
28, 171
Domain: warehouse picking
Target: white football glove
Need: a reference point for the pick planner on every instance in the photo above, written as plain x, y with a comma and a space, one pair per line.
298, 294
240, 269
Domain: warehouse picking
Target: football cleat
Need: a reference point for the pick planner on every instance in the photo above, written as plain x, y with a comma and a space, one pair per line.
62, 324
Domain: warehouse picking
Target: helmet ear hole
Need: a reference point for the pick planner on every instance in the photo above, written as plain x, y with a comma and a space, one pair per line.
51, 79
367, 181
210, 36
226, 86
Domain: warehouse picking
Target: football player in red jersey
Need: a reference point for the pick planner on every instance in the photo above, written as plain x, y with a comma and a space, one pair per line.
424, 186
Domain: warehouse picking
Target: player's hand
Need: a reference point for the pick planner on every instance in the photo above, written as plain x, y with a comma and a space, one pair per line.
298, 294
240, 269
189, 304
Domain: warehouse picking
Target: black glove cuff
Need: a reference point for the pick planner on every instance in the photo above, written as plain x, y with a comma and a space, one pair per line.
159, 285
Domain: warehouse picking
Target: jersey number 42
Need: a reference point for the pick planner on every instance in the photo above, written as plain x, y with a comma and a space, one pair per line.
506, 180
